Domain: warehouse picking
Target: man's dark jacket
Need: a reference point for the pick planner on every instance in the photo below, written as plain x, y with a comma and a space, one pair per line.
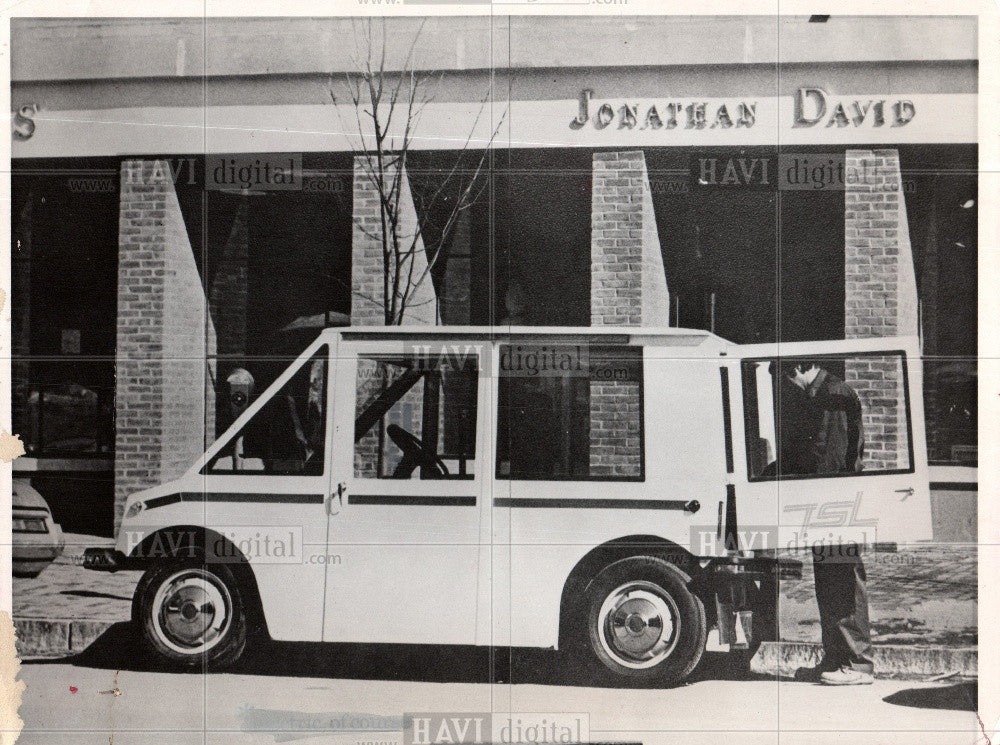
839, 443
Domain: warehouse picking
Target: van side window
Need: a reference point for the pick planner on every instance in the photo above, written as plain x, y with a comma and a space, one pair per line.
288, 435
415, 416
570, 412
827, 416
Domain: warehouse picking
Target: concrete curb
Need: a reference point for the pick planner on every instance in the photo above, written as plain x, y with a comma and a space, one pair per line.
891, 660
38, 637
52, 638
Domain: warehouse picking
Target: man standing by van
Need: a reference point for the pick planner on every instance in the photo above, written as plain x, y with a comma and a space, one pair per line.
837, 447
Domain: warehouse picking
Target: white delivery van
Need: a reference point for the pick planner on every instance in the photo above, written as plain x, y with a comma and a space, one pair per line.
629, 495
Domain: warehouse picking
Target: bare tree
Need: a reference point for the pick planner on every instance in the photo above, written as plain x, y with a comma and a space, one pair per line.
387, 105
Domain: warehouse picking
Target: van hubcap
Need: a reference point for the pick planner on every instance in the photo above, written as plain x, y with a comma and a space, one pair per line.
638, 625
191, 611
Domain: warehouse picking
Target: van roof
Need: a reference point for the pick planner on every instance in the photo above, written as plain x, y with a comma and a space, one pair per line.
661, 336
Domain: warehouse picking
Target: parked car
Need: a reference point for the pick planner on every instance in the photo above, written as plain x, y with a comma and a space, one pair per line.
37, 539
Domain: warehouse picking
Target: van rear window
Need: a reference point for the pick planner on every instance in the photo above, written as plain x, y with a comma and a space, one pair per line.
834, 415
570, 412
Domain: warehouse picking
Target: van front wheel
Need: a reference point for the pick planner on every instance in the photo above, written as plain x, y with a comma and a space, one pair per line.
643, 623
192, 614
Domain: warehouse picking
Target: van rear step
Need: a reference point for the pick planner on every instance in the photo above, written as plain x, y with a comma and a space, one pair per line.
785, 567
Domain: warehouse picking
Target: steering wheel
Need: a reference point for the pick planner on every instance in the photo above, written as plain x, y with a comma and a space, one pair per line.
415, 453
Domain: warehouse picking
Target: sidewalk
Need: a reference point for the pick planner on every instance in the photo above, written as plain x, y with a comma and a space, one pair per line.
65, 590
920, 599
919, 596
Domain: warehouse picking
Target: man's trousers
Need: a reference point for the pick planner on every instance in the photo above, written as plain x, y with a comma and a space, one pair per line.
843, 607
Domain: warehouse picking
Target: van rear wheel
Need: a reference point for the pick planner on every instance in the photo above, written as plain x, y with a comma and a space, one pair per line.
644, 626
191, 614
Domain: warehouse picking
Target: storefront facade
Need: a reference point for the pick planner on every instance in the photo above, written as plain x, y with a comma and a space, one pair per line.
208, 190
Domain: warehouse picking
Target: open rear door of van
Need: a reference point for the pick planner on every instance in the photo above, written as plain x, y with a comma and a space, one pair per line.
838, 458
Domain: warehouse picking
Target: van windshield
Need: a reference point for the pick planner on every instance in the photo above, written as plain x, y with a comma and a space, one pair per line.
288, 435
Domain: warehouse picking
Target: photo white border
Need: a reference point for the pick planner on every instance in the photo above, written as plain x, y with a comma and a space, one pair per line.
989, 232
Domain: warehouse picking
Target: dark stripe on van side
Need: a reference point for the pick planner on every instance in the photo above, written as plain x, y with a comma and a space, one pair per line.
162, 501
727, 423
955, 485
732, 528
245, 497
398, 500
606, 504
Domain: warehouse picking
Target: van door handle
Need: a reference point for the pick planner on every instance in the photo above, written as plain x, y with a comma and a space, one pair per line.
907, 493
341, 488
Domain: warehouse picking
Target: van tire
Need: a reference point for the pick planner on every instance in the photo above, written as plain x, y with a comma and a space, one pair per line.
643, 625
165, 613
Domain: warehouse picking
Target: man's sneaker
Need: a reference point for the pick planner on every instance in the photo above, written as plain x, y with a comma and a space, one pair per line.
847, 676
812, 674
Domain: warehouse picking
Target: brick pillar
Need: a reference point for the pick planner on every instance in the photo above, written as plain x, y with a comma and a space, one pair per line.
880, 293
628, 284
880, 284
228, 296
615, 429
628, 287
164, 395
367, 269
